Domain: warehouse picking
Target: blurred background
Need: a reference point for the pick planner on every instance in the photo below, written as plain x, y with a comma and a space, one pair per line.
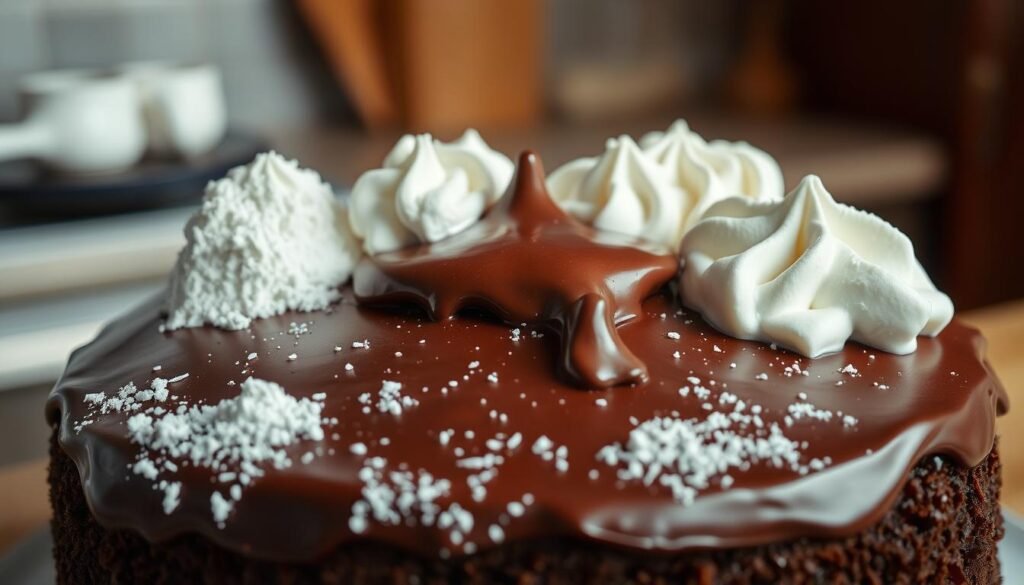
909, 109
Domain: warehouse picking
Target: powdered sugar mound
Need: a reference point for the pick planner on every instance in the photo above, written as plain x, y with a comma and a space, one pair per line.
269, 237
235, 438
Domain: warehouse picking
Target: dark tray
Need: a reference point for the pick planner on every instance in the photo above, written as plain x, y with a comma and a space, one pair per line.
28, 188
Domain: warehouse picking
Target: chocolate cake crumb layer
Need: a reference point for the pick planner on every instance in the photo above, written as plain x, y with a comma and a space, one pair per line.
943, 528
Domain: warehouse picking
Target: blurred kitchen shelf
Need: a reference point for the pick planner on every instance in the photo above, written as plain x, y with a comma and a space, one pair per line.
67, 256
36, 337
863, 164
860, 164
60, 282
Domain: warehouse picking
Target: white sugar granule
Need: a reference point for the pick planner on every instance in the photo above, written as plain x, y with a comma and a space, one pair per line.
390, 399
269, 237
496, 534
547, 450
849, 370
172, 496
220, 507
804, 410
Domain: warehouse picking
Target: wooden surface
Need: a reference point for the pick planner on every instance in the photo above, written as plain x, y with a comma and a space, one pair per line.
1003, 326
905, 166
23, 493
468, 64
353, 44
24, 502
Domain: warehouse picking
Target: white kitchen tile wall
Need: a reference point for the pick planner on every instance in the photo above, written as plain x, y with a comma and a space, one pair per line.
22, 44
165, 31
273, 76
83, 37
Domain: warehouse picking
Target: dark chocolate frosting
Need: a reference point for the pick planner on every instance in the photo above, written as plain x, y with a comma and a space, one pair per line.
528, 262
940, 400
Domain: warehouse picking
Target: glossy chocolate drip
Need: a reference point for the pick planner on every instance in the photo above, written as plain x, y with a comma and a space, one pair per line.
528, 262
941, 400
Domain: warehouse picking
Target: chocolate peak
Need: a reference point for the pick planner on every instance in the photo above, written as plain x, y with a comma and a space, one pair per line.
527, 261
527, 203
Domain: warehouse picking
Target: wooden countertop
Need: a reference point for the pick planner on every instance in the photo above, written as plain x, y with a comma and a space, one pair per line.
23, 492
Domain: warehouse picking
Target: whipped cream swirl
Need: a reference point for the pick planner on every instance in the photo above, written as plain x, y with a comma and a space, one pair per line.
659, 190
712, 171
426, 191
622, 191
808, 273
268, 238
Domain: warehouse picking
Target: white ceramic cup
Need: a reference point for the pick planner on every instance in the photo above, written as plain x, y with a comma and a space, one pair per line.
77, 121
183, 105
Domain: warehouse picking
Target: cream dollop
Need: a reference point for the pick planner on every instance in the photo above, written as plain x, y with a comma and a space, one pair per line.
268, 238
624, 191
711, 171
426, 191
809, 273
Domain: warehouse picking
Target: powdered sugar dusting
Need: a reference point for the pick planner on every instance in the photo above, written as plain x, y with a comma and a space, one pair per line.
390, 399
686, 455
689, 455
391, 497
235, 439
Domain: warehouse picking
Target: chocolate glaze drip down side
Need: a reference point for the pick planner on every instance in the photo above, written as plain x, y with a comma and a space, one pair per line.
941, 400
528, 262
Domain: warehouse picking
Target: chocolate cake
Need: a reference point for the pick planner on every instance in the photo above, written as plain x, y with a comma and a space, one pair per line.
513, 391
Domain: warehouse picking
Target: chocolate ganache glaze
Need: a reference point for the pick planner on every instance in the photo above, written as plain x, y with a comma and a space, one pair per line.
527, 261
508, 447
940, 400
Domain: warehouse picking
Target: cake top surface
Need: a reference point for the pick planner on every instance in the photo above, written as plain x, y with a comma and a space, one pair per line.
730, 443
426, 405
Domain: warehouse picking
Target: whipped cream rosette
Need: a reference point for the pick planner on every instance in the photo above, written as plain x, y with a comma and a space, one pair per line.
809, 273
426, 191
714, 168
712, 171
661, 188
622, 191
